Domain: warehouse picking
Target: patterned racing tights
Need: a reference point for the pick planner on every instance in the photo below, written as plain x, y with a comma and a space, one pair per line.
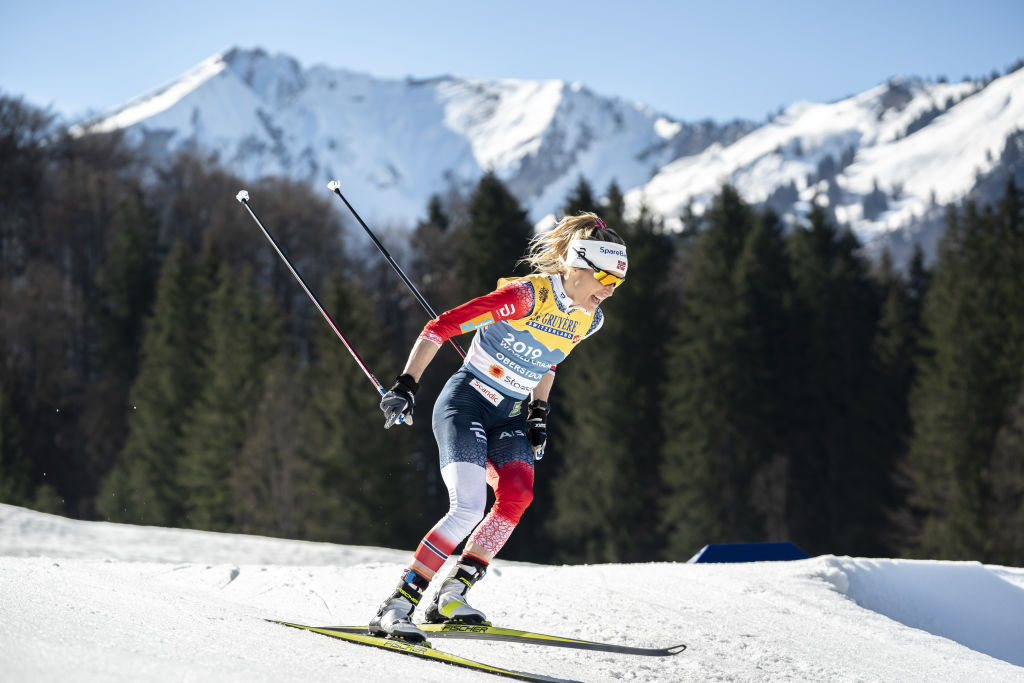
480, 444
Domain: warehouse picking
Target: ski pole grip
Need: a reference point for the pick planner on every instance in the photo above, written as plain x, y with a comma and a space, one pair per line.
242, 196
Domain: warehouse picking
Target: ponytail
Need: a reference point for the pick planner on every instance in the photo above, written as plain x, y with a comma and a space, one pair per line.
547, 251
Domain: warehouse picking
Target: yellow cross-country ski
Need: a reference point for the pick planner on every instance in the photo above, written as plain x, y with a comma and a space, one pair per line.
422, 650
488, 632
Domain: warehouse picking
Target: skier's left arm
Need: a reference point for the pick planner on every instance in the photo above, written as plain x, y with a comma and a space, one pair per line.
537, 411
543, 388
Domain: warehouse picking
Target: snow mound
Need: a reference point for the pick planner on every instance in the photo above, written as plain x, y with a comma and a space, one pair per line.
961, 601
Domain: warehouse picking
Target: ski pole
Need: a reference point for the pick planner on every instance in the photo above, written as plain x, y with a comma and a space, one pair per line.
243, 197
335, 186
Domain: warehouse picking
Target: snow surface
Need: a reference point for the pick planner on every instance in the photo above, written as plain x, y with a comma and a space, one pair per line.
92, 601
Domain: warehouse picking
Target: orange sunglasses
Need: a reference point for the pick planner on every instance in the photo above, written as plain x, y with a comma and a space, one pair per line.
602, 276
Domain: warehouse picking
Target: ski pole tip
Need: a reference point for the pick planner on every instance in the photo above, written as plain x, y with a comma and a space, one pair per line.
242, 196
333, 185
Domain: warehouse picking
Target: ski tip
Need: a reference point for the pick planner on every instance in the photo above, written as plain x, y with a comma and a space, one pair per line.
675, 649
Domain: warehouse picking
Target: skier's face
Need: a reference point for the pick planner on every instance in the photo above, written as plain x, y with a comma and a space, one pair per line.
584, 289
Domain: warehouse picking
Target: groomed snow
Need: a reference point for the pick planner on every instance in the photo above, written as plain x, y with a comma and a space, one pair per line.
89, 601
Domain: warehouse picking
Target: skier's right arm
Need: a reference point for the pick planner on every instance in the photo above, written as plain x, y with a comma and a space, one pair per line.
512, 301
509, 302
423, 351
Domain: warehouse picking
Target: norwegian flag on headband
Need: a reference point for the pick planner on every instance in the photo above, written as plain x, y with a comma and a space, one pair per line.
600, 223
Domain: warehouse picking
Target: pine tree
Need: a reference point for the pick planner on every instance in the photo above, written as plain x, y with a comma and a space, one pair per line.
24, 157
495, 238
918, 282
125, 287
723, 455
243, 336
269, 481
15, 468
895, 341
437, 216
364, 484
763, 286
895, 346
840, 468
24, 154
613, 206
126, 282
143, 487
970, 377
580, 199
875, 203
1007, 477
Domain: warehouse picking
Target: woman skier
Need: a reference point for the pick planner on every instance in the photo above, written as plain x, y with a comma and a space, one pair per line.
524, 329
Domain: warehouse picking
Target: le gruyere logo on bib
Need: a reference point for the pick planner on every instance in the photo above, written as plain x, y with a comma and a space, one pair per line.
556, 325
496, 371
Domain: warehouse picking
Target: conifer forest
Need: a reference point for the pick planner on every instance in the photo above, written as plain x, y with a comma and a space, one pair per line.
754, 380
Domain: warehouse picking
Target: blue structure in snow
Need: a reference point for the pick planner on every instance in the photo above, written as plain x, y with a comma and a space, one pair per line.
748, 552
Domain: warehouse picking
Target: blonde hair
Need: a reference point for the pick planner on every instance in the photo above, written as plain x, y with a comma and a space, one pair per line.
547, 251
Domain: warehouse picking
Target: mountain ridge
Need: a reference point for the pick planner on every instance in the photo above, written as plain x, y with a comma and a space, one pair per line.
881, 160
396, 142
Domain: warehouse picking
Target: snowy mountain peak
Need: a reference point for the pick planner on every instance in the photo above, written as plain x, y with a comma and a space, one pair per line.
144, 107
394, 143
881, 160
275, 79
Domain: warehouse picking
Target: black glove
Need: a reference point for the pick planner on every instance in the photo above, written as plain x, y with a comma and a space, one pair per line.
537, 426
399, 401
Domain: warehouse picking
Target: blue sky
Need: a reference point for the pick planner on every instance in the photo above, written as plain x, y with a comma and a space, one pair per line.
691, 60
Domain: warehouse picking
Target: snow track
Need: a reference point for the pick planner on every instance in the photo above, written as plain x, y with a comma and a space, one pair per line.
104, 602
